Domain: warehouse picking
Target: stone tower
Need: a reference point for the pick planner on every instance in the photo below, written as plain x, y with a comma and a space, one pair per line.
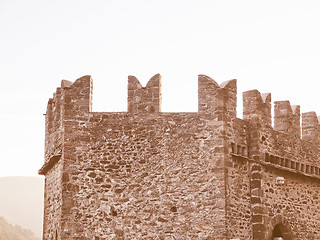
147, 174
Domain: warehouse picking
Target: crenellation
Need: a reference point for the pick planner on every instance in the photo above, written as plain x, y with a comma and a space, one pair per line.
310, 127
78, 95
217, 101
144, 99
296, 124
144, 174
287, 118
257, 107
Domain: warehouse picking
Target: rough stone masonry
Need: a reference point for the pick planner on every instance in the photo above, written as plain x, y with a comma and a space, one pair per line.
146, 174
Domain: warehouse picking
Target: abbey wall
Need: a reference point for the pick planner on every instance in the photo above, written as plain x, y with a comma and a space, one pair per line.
146, 174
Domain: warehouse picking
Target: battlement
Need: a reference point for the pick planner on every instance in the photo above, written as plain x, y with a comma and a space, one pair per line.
257, 107
310, 127
78, 95
287, 118
206, 174
214, 101
71, 97
144, 99
217, 100
70, 100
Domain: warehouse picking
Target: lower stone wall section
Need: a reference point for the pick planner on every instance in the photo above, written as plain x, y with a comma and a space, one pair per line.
156, 179
294, 204
238, 199
53, 203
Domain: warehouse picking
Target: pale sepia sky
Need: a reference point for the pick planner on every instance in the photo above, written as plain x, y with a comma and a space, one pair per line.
272, 46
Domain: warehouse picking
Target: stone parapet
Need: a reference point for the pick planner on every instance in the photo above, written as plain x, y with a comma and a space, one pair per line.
144, 99
287, 118
257, 107
310, 127
218, 101
145, 174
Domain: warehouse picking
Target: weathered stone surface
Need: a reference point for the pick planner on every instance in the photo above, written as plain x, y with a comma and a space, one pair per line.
145, 174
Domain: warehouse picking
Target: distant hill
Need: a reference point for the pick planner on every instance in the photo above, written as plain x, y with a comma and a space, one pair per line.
21, 202
10, 232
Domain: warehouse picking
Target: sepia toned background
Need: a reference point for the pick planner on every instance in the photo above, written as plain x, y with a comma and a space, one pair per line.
271, 46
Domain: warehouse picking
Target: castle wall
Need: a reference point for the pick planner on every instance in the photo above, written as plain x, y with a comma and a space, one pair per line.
144, 174
64, 105
54, 131
297, 201
53, 203
285, 155
53, 167
140, 177
253, 176
141, 174
238, 202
